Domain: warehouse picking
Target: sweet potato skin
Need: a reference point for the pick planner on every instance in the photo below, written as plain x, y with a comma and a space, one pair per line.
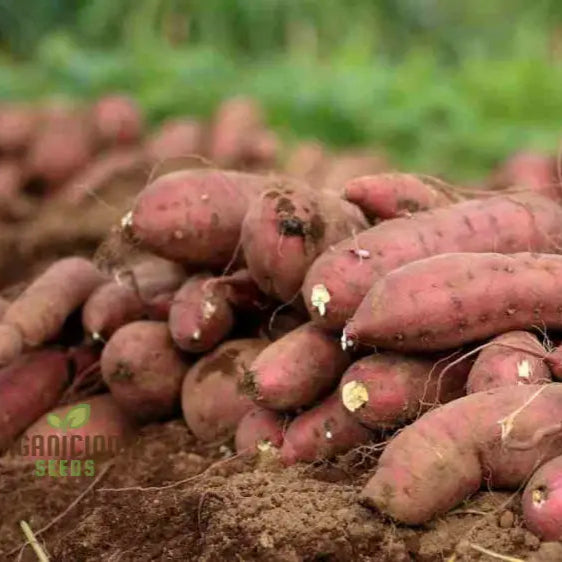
176, 138
133, 294
212, 403
387, 390
391, 195
296, 370
322, 432
510, 223
542, 501
117, 120
106, 419
200, 315
40, 311
451, 299
18, 124
257, 428
195, 216
287, 228
512, 358
554, 362
29, 387
446, 455
143, 370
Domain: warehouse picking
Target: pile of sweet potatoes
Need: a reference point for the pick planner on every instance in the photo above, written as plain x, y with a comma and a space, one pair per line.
294, 316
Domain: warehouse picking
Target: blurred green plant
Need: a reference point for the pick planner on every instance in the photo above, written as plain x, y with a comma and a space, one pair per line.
445, 87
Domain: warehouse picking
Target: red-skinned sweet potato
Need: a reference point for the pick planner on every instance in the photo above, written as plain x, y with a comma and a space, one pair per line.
340, 278
133, 294
117, 119
385, 391
176, 139
554, 362
452, 299
105, 431
200, 315
296, 370
235, 124
18, 124
29, 387
387, 196
497, 438
322, 432
40, 311
260, 429
212, 402
287, 228
11, 180
195, 216
512, 358
542, 501
144, 370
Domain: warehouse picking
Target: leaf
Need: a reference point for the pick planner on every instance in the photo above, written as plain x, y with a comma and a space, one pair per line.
77, 416
54, 421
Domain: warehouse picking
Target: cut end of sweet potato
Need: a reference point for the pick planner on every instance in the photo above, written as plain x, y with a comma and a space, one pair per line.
354, 394
319, 298
249, 386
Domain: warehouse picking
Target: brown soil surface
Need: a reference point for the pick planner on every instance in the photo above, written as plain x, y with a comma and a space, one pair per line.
208, 506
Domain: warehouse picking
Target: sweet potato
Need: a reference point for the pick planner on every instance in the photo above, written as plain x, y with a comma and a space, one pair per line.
41, 310
143, 370
296, 370
11, 180
117, 119
212, 403
542, 501
387, 196
195, 216
554, 362
306, 162
18, 123
512, 358
200, 316
105, 430
262, 150
385, 391
287, 228
452, 299
322, 432
497, 438
340, 278
63, 145
235, 123
528, 170
29, 387
11, 344
260, 429
134, 294
107, 168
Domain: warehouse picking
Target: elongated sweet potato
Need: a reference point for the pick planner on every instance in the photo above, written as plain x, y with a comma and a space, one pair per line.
235, 124
131, 296
212, 402
200, 316
384, 391
40, 311
452, 299
340, 278
29, 387
322, 432
287, 228
93, 429
512, 358
176, 139
498, 438
387, 196
542, 501
195, 216
296, 370
117, 119
144, 370
260, 429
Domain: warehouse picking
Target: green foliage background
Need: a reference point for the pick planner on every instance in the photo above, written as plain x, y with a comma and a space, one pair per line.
445, 87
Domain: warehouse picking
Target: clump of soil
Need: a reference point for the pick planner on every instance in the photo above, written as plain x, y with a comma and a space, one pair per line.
206, 506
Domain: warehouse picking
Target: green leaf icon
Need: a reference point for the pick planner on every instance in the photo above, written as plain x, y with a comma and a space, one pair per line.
54, 421
77, 416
